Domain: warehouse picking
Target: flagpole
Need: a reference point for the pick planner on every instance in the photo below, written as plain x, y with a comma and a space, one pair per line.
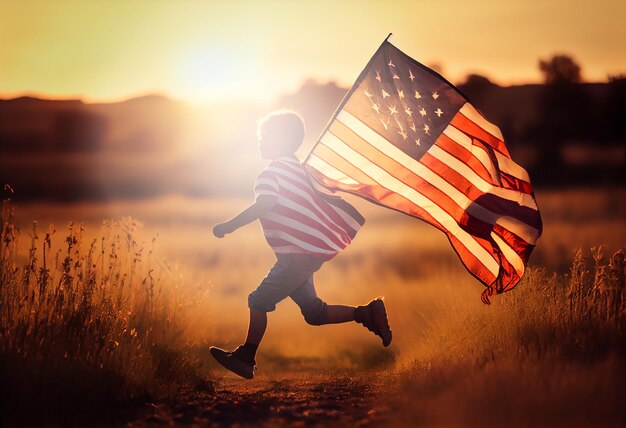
347, 96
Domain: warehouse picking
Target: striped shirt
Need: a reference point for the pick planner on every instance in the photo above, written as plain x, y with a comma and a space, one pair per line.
303, 220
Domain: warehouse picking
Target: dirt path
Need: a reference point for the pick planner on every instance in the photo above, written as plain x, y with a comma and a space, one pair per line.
305, 400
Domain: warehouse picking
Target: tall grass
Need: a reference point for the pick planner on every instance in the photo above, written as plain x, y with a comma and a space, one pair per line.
88, 326
549, 353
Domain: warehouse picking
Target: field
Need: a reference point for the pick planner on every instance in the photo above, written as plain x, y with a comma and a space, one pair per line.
127, 341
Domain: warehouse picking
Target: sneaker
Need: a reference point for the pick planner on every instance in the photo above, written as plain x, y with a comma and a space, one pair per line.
236, 361
373, 316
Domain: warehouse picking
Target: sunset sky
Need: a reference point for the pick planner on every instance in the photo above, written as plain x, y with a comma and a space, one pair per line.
206, 51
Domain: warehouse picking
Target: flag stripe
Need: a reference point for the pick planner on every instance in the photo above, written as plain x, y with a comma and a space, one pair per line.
343, 165
384, 196
273, 222
403, 165
435, 193
521, 198
335, 214
469, 157
472, 114
465, 125
329, 170
497, 205
301, 216
296, 195
306, 216
390, 182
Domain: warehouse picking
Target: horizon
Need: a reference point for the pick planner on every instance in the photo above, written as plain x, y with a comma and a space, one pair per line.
109, 52
87, 100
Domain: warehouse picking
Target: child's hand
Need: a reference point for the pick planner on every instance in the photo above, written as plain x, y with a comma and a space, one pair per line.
221, 229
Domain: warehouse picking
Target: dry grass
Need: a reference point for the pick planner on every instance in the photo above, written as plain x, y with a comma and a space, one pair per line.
551, 352
86, 326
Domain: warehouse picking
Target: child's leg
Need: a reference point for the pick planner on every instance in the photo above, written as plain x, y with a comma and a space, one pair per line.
337, 314
316, 311
257, 326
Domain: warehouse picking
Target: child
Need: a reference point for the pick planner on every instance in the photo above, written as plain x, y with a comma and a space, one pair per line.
304, 228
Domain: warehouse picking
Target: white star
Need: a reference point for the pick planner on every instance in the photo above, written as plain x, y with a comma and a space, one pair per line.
417, 142
385, 124
438, 112
422, 111
376, 108
395, 76
378, 75
417, 95
367, 94
404, 134
412, 127
408, 111
411, 75
435, 95
400, 125
400, 93
390, 64
392, 110
385, 94
426, 129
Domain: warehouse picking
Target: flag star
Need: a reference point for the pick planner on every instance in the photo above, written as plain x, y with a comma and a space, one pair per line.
376, 108
385, 124
422, 111
417, 95
411, 75
408, 111
400, 93
435, 95
400, 125
417, 142
391, 64
378, 76
367, 94
395, 76
438, 112
404, 134
426, 129
412, 127
392, 110
385, 94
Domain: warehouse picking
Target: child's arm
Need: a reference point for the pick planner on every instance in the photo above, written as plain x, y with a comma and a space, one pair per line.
262, 205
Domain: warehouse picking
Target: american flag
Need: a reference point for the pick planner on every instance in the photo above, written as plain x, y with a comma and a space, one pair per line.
407, 139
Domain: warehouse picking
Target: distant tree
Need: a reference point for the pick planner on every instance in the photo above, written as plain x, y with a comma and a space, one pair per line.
560, 69
476, 84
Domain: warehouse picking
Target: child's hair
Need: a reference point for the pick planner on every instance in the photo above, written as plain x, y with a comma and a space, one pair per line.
285, 126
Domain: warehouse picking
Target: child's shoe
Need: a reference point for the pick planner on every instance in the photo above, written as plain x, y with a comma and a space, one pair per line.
237, 361
373, 316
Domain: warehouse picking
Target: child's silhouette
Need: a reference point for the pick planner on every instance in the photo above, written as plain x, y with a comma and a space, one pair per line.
305, 229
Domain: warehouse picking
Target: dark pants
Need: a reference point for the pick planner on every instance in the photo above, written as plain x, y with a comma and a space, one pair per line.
291, 276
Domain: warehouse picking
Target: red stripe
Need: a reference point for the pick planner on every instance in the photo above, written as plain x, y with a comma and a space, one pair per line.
511, 182
517, 244
470, 128
465, 156
319, 206
302, 236
301, 218
493, 203
300, 200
